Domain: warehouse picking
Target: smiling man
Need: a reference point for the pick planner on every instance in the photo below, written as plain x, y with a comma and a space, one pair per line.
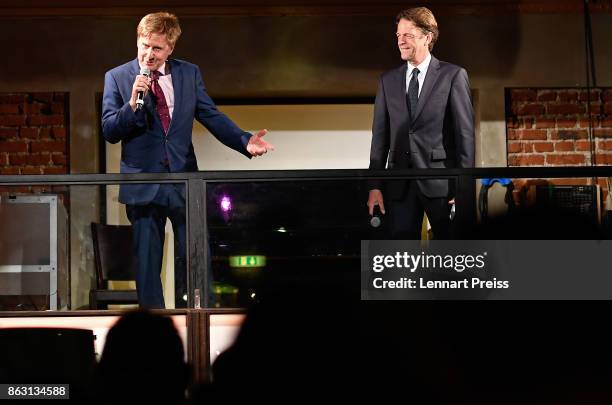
149, 105
423, 119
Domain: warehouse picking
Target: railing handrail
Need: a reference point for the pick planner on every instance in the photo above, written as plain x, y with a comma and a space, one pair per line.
198, 254
308, 174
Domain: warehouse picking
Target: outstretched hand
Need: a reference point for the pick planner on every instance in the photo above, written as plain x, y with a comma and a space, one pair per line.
257, 146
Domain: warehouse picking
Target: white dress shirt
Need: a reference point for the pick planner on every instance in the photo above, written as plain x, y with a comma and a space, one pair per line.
422, 72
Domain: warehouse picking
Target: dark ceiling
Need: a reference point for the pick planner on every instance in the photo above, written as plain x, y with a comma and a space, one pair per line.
33, 8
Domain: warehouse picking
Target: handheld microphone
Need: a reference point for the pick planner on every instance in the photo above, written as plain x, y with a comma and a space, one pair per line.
376, 219
140, 100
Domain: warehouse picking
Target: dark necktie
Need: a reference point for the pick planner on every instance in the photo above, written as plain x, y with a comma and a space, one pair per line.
160, 101
412, 96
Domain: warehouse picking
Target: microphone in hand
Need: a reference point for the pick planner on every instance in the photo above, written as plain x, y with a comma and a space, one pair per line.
140, 100
376, 218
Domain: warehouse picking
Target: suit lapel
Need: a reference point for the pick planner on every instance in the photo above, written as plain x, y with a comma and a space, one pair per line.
430, 79
402, 86
398, 86
177, 85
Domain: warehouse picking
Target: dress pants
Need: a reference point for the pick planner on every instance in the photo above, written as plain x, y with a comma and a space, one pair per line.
148, 224
406, 214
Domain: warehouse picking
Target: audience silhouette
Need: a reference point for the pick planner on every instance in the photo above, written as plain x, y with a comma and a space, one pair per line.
301, 332
143, 359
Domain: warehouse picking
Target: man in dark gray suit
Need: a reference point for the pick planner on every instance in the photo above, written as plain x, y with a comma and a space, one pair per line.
423, 118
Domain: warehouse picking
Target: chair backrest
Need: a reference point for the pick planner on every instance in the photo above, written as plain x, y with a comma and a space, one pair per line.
114, 255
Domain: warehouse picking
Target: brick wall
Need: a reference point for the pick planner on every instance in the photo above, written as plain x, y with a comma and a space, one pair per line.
34, 133
549, 127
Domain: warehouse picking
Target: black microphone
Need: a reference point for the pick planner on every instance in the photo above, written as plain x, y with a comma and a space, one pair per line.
140, 100
376, 219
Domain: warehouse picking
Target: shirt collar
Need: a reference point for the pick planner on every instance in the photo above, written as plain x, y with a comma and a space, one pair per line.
164, 69
423, 66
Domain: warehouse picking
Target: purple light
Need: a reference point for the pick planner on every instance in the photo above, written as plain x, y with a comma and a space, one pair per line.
226, 204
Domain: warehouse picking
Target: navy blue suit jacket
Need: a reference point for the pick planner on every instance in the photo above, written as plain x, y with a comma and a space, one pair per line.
144, 146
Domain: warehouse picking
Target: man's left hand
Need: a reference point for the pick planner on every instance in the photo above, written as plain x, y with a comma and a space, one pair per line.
257, 146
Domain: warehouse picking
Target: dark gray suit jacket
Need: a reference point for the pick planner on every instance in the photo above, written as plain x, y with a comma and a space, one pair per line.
441, 134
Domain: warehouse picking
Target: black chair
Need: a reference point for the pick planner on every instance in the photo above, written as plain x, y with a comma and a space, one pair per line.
114, 260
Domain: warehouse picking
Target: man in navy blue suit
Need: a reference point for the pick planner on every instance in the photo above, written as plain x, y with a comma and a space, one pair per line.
155, 134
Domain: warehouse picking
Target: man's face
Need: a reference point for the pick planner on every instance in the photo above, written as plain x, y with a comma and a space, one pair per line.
153, 51
412, 43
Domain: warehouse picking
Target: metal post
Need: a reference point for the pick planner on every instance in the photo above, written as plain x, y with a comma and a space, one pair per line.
197, 243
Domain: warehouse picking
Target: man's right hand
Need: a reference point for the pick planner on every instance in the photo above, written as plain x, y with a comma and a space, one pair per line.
141, 83
375, 198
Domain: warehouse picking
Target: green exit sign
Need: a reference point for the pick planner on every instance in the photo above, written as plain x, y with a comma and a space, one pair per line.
247, 261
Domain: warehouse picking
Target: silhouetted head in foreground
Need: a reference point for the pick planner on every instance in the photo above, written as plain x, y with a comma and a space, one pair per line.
143, 358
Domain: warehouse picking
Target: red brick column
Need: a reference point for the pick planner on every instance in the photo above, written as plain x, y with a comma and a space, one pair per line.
34, 133
549, 127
